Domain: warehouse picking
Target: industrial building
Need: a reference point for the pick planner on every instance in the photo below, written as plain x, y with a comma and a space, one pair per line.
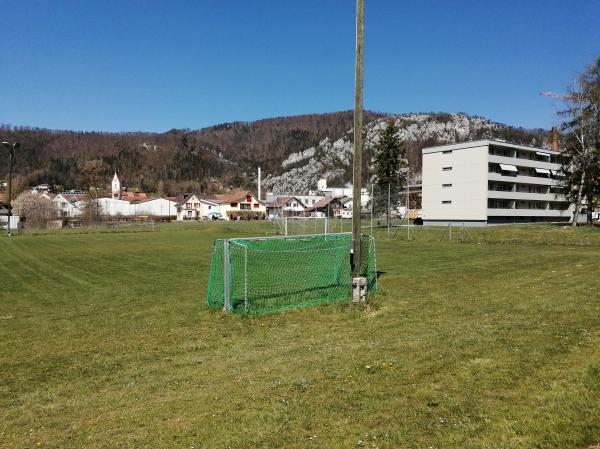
491, 182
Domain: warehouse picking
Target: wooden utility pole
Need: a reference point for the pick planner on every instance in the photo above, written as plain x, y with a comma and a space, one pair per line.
358, 136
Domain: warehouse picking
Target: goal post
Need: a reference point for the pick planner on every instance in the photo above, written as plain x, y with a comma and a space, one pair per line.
265, 274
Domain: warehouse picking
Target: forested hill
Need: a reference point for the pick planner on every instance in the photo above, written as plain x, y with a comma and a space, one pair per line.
219, 157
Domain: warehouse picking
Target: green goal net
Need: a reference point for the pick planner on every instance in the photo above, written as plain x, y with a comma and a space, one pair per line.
258, 275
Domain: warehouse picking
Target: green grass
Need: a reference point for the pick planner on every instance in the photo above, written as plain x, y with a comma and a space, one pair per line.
106, 342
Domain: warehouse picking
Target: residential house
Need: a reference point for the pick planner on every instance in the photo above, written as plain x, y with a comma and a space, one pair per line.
330, 206
239, 205
42, 188
70, 205
285, 206
194, 207
324, 190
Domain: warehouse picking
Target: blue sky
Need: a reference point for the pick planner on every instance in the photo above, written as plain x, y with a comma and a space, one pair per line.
155, 65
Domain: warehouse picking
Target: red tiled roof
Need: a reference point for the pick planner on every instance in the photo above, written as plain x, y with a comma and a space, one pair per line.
234, 197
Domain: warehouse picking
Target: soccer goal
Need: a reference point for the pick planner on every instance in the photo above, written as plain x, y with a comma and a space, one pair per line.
258, 275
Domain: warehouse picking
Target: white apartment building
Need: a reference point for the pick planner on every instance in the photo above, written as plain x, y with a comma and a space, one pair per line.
491, 182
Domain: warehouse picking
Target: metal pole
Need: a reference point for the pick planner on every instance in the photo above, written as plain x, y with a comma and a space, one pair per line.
11, 152
358, 128
246, 278
388, 210
258, 183
408, 203
226, 276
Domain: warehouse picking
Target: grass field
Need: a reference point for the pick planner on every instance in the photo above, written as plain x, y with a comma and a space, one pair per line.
106, 342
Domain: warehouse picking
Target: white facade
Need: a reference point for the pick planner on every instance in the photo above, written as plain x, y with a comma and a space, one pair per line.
66, 207
15, 222
193, 208
285, 206
114, 207
158, 207
488, 181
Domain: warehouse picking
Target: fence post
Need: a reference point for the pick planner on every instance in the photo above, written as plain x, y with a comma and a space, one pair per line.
450, 232
226, 276
388, 211
407, 203
246, 278
285, 224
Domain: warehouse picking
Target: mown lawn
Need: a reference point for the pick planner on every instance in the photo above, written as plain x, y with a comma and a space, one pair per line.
106, 342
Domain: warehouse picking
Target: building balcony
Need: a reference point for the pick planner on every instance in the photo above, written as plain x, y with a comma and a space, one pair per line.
525, 196
529, 213
492, 176
529, 163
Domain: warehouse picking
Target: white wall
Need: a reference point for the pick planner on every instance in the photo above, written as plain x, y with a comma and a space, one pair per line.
159, 207
66, 209
469, 179
114, 207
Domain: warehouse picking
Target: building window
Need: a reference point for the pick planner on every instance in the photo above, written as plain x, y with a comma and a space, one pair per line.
447, 152
446, 202
248, 199
233, 204
446, 185
446, 168
256, 205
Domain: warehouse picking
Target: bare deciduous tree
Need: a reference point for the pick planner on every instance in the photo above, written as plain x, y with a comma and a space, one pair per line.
35, 209
581, 128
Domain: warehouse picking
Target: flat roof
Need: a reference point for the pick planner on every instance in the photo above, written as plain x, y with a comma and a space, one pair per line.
485, 142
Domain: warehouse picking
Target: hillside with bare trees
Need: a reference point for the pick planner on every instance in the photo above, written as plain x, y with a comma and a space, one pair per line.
217, 158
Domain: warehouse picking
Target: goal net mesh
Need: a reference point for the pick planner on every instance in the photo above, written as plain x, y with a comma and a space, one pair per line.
265, 275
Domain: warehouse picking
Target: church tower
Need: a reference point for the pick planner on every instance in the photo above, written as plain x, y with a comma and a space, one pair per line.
116, 187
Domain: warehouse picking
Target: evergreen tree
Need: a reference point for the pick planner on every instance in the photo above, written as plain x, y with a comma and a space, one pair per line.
390, 169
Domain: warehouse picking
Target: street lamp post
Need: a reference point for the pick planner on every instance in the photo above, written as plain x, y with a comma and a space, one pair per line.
11, 151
